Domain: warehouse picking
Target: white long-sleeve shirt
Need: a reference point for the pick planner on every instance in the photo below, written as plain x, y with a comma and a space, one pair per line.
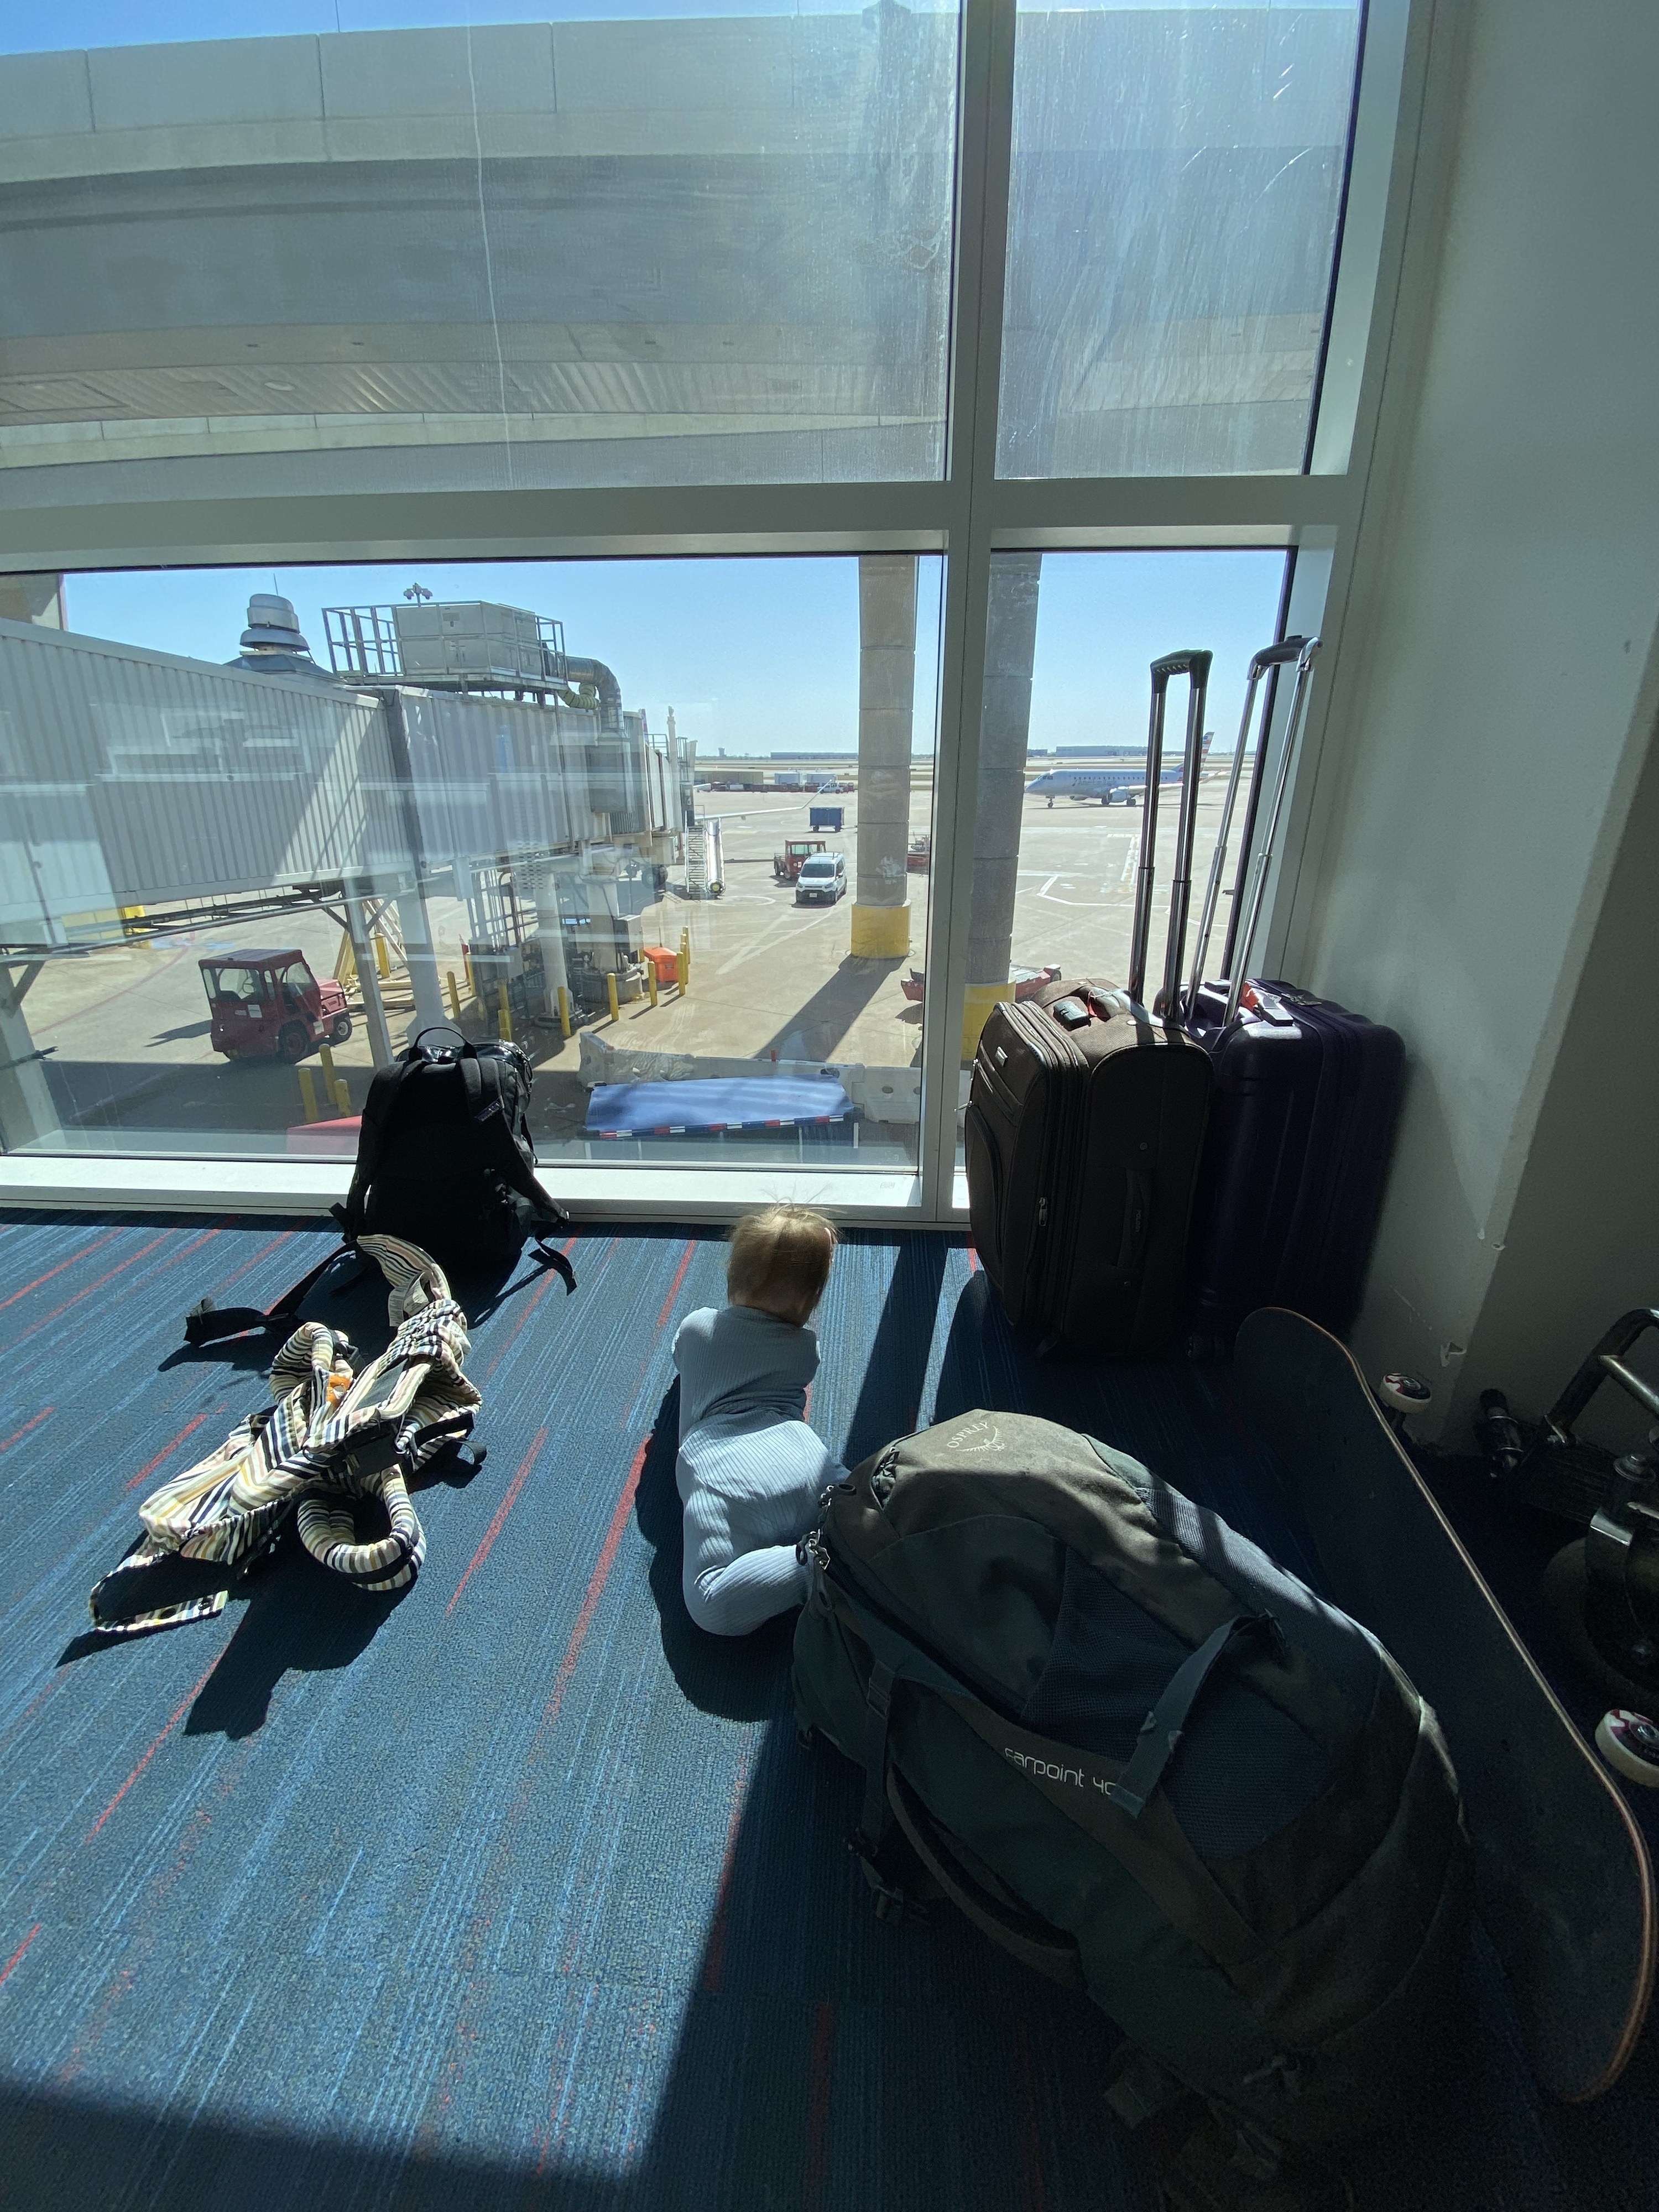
750, 1470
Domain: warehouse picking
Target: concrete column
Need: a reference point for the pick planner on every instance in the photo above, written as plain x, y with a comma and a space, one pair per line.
368, 977
414, 924
1005, 730
887, 685
28, 1116
415, 927
550, 936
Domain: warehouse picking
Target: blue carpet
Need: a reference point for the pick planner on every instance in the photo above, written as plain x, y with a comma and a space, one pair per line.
515, 1890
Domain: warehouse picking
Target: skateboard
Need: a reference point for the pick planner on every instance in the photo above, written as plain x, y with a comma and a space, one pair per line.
1564, 1885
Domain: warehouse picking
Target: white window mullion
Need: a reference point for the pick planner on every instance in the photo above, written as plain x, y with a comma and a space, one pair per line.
985, 150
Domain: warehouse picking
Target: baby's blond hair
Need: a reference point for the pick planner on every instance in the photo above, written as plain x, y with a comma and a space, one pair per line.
780, 1261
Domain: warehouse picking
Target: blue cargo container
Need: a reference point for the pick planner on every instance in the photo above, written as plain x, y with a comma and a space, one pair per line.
825, 818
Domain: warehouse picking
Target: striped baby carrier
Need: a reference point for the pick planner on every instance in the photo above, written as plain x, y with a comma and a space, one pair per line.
333, 1453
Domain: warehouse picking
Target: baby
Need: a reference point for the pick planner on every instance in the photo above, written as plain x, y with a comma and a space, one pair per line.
750, 1470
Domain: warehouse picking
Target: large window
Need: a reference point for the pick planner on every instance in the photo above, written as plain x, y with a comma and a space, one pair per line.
1177, 183
274, 255
690, 884
614, 530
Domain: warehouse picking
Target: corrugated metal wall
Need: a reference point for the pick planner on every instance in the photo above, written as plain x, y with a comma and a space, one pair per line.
130, 778
495, 776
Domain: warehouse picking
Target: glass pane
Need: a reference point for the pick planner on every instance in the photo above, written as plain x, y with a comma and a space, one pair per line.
1063, 752
1177, 177
251, 251
258, 830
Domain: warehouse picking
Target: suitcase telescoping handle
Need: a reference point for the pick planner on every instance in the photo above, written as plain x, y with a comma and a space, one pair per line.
1239, 965
1195, 667
1271, 657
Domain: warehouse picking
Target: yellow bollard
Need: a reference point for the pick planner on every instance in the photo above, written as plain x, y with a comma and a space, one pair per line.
651, 980
564, 1010
471, 984
334, 1083
308, 1094
383, 959
504, 1016
454, 997
685, 958
610, 994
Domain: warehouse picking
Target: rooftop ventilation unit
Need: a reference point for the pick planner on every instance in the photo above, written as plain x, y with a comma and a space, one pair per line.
447, 645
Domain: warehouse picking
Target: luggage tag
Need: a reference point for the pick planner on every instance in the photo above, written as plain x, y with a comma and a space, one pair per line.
1108, 1003
1071, 1013
1263, 1007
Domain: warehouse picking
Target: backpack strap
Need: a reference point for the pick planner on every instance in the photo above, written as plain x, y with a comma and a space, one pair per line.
893, 1657
896, 1656
206, 1323
1148, 1842
1162, 1728
487, 1109
1035, 1941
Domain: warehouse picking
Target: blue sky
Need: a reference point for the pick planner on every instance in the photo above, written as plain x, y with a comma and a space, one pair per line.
760, 656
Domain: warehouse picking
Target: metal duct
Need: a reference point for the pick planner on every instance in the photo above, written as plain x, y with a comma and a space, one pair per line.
596, 673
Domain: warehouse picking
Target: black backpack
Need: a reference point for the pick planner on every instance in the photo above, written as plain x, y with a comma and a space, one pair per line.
1146, 1760
445, 1161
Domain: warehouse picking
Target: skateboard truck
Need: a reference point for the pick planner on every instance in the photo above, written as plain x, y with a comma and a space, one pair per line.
1502, 1439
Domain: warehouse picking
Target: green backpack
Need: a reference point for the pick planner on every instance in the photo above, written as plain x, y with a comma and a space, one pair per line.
1143, 1758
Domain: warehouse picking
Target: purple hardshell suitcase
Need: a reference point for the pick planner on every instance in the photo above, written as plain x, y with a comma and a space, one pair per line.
1305, 1102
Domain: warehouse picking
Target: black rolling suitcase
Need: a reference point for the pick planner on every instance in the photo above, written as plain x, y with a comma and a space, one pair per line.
1305, 1093
1085, 1119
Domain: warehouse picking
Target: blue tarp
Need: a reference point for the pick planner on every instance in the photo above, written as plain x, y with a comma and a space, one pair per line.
702, 1108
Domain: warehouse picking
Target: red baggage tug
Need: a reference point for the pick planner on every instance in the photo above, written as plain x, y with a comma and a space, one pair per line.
269, 1005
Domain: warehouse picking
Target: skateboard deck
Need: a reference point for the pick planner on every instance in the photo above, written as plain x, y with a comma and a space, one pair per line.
1563, 1881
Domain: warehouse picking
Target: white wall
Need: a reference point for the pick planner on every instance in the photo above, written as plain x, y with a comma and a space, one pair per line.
1582, 1242
1490, 734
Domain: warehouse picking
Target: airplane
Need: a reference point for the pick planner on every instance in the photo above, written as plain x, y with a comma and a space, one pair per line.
1107, 785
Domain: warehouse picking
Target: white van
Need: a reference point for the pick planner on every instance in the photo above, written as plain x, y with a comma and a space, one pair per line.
823, 880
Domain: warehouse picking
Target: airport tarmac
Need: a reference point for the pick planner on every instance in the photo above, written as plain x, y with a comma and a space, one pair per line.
126, 1031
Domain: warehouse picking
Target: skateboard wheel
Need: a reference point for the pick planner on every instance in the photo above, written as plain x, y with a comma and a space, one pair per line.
1629, 1743
1404, 1394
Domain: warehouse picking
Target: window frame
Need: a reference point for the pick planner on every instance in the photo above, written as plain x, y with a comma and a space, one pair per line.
968, 515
